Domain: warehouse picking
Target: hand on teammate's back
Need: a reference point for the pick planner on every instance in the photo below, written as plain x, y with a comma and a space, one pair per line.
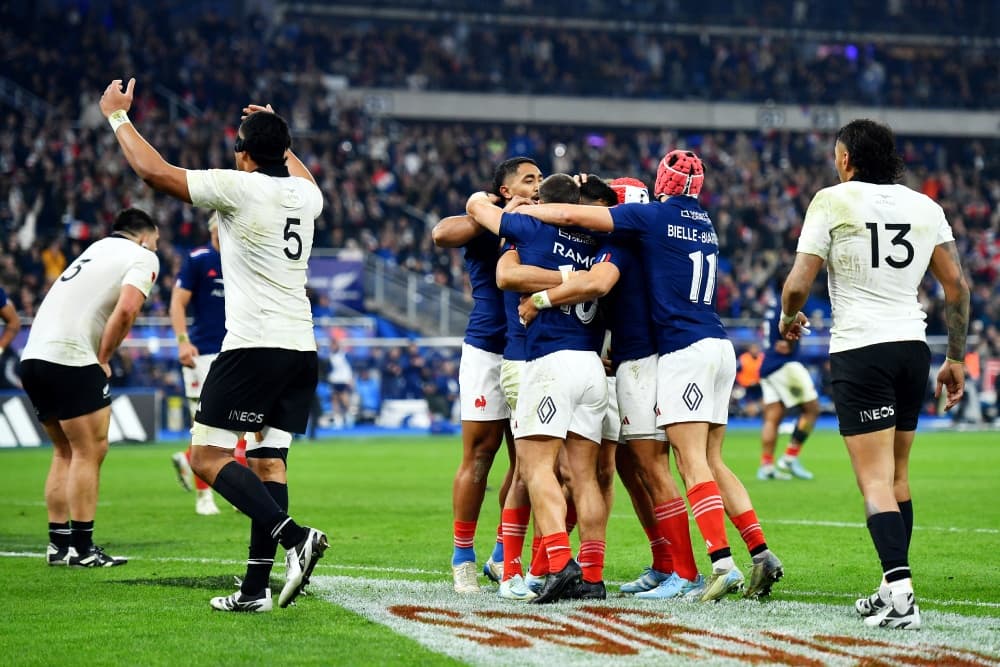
515, 202
527, 310
114, 99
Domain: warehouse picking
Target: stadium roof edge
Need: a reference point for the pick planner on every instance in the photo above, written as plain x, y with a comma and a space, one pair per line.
617, 112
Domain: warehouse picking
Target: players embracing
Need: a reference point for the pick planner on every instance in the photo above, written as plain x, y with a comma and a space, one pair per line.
696, 366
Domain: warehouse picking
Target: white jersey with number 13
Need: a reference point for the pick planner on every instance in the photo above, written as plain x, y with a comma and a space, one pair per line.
877, 241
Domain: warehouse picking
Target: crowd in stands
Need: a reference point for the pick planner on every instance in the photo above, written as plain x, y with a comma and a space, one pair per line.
963, 17
386, 182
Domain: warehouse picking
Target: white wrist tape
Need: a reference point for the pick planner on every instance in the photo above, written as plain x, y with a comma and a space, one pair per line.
117, 119
541, 300
788, 319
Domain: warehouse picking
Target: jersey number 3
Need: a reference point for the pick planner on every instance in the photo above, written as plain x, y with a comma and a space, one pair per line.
899, 239
294, 239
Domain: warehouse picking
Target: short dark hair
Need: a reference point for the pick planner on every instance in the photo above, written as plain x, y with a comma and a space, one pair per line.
134, 221
871, 149
596, 189
559, 189
506, 169
266, 138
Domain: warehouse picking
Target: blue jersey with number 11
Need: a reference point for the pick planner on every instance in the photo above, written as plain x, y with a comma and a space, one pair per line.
680, 253
558, 328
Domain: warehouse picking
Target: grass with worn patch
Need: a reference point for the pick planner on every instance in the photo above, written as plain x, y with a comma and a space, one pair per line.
386, 504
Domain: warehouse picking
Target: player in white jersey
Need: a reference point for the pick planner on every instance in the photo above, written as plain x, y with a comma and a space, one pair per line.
265, 377
877, 240
64, 369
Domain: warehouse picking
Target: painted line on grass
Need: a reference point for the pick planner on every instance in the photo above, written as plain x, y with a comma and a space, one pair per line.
483, 630
849, 524
846, 524
326, 565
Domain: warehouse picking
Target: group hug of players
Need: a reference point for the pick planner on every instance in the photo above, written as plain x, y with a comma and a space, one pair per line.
594, 339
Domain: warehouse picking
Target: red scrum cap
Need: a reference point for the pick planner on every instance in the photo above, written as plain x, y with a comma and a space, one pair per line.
630, 190
679, 173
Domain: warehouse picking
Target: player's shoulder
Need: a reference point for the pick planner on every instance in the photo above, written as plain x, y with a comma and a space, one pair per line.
917, 199
203, 251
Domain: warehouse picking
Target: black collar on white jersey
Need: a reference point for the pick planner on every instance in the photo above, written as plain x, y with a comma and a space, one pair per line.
279, 170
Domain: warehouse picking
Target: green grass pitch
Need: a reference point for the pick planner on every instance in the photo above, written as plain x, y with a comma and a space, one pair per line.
386, 504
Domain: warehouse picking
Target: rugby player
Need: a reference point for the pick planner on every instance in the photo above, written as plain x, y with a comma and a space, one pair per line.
785, 383
199, 287
83, 319
878, 239
484, 410
265, 376
697, 363
563, 394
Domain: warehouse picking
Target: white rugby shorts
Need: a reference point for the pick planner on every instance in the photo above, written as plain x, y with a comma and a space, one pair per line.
791, 384
194, 378
694, 384
510, 381
479, 386
611, 427
637, 399
565, 391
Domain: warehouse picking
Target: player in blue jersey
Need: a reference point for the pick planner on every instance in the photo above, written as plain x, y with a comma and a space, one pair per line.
516, 279
484, 409
11, 325
785, 383
199, 289
697, 362
563, 394
618, 278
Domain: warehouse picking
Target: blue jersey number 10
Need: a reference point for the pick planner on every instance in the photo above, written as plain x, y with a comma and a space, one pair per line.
698, 261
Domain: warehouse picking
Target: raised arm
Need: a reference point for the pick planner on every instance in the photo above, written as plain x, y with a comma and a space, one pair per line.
595, 218
947, 268
582, 287
512, 276
455, 231
143, 158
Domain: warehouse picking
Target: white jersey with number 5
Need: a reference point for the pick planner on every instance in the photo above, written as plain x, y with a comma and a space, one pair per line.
68, 327
265, 237
877, 241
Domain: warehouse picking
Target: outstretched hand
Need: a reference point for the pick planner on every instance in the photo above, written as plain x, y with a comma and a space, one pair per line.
114, 99
254, 108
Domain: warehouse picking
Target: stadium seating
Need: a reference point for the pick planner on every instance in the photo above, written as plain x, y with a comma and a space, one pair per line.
387, 181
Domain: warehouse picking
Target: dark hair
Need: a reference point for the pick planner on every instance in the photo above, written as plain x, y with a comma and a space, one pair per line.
559, 189
506, 169
265, 137
595, 190
871, 150
134, 221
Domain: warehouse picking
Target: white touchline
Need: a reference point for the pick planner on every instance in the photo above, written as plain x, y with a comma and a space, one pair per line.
442, 573
847, 524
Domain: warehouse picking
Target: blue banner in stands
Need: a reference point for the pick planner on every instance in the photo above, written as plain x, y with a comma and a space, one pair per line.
337, 280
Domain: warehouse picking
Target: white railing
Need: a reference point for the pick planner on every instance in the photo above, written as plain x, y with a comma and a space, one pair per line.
414, 300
